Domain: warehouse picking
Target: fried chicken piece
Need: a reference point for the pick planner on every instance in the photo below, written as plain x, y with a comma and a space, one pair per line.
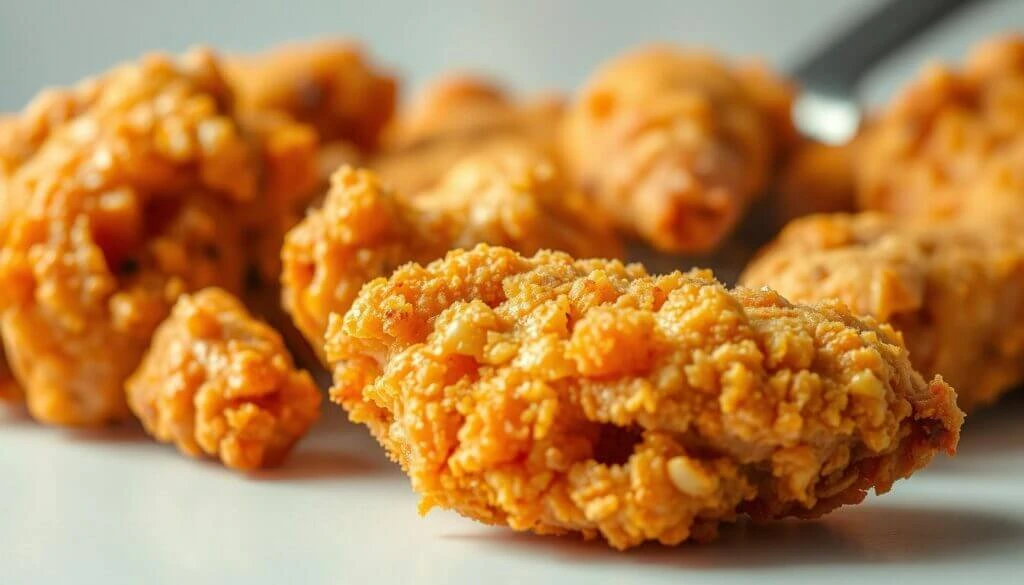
328, 84
365, 230
220, 383
816, 178
676, 144
455, 117
952, 289
123, 193
927, 150
585, 396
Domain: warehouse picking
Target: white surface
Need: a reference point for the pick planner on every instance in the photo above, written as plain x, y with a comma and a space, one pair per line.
111, 507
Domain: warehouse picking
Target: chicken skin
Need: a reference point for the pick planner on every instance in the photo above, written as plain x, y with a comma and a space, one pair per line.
121, 194
365, 230
218, 382
676, 144
953, 289
560, 395
455, 117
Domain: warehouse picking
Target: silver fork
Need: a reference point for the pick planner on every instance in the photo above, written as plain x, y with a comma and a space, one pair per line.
827, 108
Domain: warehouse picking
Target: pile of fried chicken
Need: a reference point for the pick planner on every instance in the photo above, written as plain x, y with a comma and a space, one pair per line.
185, 237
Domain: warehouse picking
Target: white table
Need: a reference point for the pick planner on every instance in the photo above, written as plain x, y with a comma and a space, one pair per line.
113, 507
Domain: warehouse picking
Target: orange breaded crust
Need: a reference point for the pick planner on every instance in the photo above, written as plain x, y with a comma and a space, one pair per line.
676, 144
121, 194
954, 290
218, 382
585, 396
925, 152
365, 230
328, 84
455, 117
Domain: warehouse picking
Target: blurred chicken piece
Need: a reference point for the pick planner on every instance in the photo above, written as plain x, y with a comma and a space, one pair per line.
559, 396
121, 194
510, 197
931, 145
328, 84
954, 289
218, 382
455, 117
816, 178
676, 144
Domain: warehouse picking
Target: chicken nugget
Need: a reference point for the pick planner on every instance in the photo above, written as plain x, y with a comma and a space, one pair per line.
455, 117
953, 289
121, 194
926, 150
220, 383
676, 144
560, 395
365, 230
328, 84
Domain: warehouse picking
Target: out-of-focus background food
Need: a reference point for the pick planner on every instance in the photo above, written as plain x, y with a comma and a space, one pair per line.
532, 44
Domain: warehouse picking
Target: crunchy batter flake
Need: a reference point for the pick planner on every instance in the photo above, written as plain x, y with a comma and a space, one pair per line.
585, 396
365, 230
675, 144
121, 194
220, 383
952, 288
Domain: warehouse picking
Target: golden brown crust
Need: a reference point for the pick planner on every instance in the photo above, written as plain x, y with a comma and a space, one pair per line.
675, 144
457, 116
556, 395
220, 383
948, 128
144, 187
952, 289
328, 84
365, 230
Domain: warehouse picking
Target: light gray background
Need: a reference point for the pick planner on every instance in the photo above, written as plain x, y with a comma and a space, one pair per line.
532, 44
113, 507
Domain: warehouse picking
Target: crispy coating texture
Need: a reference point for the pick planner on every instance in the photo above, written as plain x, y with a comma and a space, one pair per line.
944, 132
121, 194
676, 144
953, 289
585, 396
220, 383
455, 117
328, 84
365, 230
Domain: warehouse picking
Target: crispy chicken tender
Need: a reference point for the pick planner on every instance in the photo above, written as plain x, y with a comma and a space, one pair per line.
676, 144
927, 150
219, 382
585, 396
456, 116
953, 289
121, 194
365, 230
328, 84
